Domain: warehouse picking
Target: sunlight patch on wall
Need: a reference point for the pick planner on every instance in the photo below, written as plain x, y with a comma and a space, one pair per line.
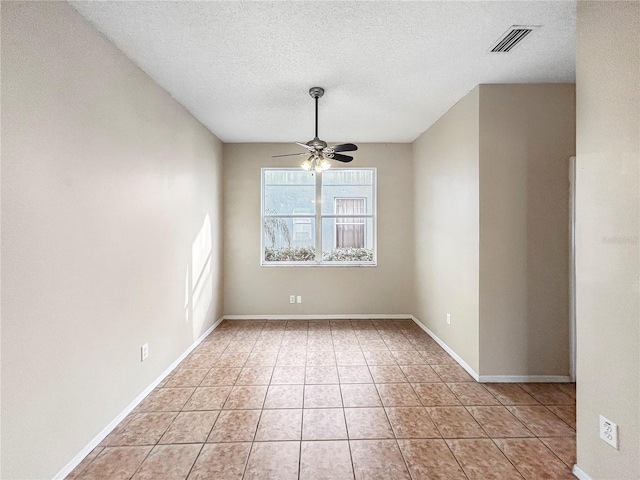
199, 280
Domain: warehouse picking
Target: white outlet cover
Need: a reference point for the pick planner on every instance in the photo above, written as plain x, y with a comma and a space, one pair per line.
144, 352
609, 432
292, 299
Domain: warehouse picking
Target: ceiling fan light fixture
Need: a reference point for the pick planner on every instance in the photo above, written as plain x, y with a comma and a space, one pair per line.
325, 164
306, 165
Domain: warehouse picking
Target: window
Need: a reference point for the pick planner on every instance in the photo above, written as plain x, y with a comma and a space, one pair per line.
350, 230
318, 219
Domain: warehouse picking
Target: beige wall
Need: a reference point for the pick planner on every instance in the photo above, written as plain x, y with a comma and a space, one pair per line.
607, 263
492, 246
445, 182
250, 289
527, 134
111, 204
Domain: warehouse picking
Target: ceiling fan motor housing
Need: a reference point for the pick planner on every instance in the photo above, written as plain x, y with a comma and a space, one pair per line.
317, 144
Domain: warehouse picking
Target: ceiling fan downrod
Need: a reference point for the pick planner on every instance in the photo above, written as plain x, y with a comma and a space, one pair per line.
316, 92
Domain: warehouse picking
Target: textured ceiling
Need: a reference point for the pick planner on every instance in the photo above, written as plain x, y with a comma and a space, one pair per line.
390, 69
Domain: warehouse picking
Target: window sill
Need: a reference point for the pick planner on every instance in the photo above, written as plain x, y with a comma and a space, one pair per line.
310, 264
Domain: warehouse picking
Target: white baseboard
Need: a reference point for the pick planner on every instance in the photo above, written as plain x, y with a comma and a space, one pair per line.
494, 378
446, 348
578, 472
524, 379
75, 461
353, 316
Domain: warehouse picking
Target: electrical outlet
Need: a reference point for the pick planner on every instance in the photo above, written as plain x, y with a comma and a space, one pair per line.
144, 352
448, 319
292, 299
609, 432
299, 299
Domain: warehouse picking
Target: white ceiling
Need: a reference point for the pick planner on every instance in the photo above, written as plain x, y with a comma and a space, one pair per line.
390, 69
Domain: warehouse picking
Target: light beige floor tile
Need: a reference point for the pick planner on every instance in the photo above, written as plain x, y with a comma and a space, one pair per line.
321, 375
563, 447
481, 460
455, 422
324, 424
322, 396
246, 397
208, 398
533, 459
235, 426
282, 424
255, 376
165, 400
190, 427
360, 395
221, 461
498, 422
378, 459
354, 374
288, 375
221, 376
168, 462
547, 393
420, 374
387, 374
273, 460
471, 393
541, 421
144, 429
367, 423
284, 396
435, 394
452, 373
567, 413
430, 460
187, 377
510, 394
326, 460
397, 395
116, 463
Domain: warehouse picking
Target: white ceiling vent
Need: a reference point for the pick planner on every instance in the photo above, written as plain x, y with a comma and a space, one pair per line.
513, 37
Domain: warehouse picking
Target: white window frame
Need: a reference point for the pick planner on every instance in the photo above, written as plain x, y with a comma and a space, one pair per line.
317, 218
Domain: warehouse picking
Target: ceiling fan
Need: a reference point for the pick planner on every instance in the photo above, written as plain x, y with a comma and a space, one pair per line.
319, 152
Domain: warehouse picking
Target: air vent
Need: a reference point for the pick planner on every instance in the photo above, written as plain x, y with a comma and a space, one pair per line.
513, 37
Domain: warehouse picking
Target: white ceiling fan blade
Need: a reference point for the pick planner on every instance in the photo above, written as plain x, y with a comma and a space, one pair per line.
290, 154
304, 145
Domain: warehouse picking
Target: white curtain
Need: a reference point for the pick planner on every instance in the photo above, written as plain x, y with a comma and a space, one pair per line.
350, 231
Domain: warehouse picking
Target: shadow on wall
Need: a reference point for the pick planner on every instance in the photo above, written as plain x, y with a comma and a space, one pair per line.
199, 280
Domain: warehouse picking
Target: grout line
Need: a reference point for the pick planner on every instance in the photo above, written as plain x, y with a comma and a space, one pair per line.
406, 463
454, 457
196, 457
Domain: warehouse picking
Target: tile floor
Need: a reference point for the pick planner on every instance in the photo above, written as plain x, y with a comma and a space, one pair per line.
339, 399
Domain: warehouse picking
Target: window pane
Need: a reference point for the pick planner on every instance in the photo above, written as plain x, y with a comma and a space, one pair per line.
347, 239
289, 239
347, 183
288, 192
